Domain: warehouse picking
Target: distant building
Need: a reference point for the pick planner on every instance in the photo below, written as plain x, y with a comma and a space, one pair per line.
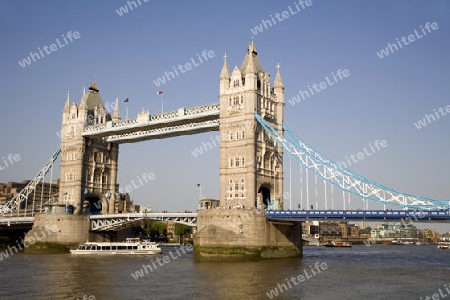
44, 193
170, 228
145, 209
395, 231
330, 229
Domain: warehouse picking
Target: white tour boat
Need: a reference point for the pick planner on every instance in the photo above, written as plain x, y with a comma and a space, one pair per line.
130, 246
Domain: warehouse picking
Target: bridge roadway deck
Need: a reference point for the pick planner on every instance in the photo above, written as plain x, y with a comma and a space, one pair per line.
117, 221
358, 215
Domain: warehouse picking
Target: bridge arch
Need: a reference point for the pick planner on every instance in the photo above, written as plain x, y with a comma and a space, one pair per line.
93, 204
264, 195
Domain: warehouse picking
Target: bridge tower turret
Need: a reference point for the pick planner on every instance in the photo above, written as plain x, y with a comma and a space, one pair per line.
88, 166
251, 169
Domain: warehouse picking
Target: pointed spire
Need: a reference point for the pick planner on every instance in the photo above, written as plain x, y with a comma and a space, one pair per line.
278, 82
251, 62
67, 106
116, 114
84, 90
250, 65
252, 47
225, 74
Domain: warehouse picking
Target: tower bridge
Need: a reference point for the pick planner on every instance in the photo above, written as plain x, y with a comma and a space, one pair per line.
253, 137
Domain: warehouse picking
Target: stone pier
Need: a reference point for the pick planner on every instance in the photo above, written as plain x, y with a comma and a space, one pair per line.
245, 233
57, 232
62, 232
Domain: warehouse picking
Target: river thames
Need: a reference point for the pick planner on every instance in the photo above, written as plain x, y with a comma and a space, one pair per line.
360, 272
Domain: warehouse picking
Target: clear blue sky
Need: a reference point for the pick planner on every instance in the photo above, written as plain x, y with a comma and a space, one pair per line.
380, 100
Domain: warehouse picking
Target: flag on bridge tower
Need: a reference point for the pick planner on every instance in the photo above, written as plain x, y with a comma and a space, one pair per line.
126, 100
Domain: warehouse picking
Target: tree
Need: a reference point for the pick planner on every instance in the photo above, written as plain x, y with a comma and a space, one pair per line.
156, 228
181, 229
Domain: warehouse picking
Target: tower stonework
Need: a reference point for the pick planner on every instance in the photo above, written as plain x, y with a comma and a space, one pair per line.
251, 170
88, 166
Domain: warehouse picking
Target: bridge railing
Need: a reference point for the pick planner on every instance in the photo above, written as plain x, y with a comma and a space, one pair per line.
359, 214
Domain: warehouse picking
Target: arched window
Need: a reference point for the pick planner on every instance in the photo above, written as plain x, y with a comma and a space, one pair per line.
231, 163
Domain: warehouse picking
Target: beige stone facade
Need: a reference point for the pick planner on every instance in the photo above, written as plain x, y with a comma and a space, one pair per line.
245, 232
88, 166
251, 167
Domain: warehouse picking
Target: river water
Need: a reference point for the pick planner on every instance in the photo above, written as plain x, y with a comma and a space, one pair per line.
360, 272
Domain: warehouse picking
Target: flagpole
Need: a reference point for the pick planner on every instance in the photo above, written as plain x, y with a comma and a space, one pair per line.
162, 100
127, 114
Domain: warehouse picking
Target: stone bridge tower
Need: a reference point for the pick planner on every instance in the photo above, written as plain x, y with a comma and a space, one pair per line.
251, 170
88, 166
251, 164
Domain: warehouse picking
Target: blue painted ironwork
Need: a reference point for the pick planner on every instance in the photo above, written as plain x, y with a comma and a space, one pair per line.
22, 196
342, 177
417, 215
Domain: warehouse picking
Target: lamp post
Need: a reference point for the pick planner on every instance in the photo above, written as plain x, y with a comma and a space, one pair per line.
199, 194
107, 196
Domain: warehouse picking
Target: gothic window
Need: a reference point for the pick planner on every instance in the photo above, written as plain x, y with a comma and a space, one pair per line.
242, 161
236, 190
231, 162
242, 99
242, 135
230, 102
231, 136
237, 162
97, 177
98, 157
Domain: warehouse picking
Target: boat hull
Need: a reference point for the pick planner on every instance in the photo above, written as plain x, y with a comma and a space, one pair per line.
131, 246
113, 252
